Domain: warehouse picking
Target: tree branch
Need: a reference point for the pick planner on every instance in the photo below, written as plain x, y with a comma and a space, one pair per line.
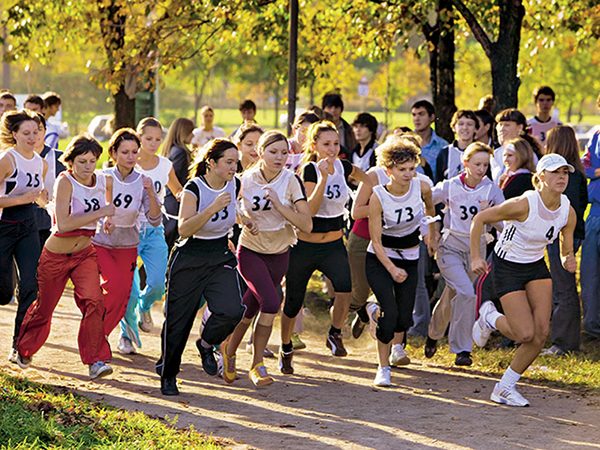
476, 29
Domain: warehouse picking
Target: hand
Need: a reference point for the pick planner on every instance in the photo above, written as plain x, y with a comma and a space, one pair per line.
222, 200
432, 243
569, 262
108, 225
502, 179
398, 274
179, 195
147, 183
248, 223
271, 195
44, 198
323, 166
29, 197
479, 266
108, 210
484, 204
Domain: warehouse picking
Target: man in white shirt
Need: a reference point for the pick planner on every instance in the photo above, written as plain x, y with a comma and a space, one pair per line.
542, 122
206, 132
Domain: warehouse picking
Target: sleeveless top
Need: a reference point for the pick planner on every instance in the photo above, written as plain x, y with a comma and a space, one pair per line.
221, 223
336, 192
160, 177
260, 209
84, 200
525, 242
455, 162
27, 176
361, 226
127, 197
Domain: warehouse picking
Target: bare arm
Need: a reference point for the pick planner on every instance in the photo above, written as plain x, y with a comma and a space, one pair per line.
360, 207
360, 175
190, 221
432, 243
315, 191
567, 254
174, 183
299, 215
6, 169
154, 212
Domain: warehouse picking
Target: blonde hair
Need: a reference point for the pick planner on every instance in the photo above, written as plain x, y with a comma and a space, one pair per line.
312, 136
524, 153
398, 149
477, 147
180, 130
269, 138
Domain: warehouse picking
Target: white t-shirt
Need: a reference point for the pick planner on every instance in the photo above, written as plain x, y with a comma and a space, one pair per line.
201, 136
539, 129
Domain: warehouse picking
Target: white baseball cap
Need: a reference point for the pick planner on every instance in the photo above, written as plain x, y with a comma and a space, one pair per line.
552, 162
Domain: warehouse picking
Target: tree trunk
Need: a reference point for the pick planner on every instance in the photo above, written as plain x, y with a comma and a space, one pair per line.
124, 110
569, 111
276, 100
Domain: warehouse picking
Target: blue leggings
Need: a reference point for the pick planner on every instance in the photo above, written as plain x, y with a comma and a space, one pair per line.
154, 253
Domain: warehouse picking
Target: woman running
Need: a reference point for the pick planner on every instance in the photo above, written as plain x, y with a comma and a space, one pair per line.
464, 196
521, 278
326, 179
274, 199
80, 201
132, 194
202, 265
152, 247
22, 173
176, 149
246, 138
396, 212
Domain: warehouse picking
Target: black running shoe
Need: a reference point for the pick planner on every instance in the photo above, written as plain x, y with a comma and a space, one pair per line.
463, 359
209, 363
430, 347
168, 386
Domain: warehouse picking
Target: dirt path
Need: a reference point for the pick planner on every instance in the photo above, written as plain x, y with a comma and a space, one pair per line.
328, 404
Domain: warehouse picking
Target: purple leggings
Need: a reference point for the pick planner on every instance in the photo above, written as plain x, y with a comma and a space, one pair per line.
263, 274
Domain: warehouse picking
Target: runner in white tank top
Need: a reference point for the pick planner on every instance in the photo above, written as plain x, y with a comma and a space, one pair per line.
520, 275
463, 197
152, 248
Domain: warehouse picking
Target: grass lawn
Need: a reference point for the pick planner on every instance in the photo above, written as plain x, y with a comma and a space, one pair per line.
37, 416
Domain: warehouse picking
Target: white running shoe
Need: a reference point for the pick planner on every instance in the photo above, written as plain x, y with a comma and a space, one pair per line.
23, 362
373, 312
481, 328
99, 369
146, 324
382, 379
125, 346
507, 396
12, 356
398, 356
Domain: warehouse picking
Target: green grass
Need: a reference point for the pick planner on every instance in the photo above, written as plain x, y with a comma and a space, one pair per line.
37, 416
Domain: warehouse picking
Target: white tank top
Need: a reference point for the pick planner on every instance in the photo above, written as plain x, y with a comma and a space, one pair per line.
50, 177
294, 161
159, 176
463, 204
27, 176
401, 215
259, 209
221, 223
525, 242
455, 161
85, 199
127, 198
336, 193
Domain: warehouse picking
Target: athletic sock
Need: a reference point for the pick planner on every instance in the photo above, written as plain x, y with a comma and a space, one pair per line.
362, 314
333, 330
287, 348
510, 378
492, 317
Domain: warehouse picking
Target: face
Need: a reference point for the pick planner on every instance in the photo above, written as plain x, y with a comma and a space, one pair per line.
7, 104
83, 166
188, 140
247, 114
327, 145
41, 135
508, 130
151, 138
300, 132
482, 133
465, 129
402, 173
248, 146
226, 166
51, 110
361, 132
556, 181
27, 135
275, 156
126, 155
421, 119
511, 160
477, 165
33, 107
335, 111
544, 104
207, 118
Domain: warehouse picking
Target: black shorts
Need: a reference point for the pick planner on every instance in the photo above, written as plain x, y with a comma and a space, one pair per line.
511, 276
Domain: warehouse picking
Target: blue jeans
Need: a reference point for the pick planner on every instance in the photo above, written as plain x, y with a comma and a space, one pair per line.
590, 277
566, 314
154, 253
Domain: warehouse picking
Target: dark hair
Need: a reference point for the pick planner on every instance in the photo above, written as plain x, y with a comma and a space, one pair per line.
563, 141
487, 119
269, 138
122, 134
5, 94
244, 130
466, 114
80, 145
401, 130
398, 149
248, 104
51, 99
424, 104
10, 123
214, 150
488, 103
35, 99
42, 119
368, 120
543, 90
147, 122
514, 115
315, 109
332, 99
306, 116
